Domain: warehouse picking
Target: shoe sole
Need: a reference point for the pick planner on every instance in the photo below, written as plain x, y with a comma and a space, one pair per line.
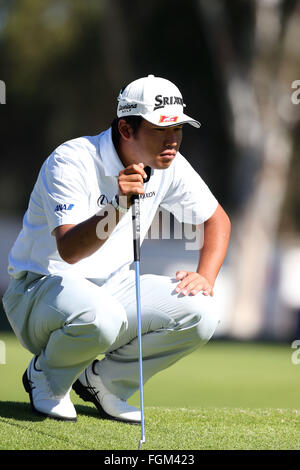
28, 389
85, 395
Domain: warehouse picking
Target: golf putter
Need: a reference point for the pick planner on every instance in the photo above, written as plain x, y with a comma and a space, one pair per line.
136, 251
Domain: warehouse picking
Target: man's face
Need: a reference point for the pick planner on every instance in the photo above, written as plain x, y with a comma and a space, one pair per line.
156, 146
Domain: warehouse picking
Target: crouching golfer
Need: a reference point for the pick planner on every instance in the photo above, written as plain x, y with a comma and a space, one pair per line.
72, 297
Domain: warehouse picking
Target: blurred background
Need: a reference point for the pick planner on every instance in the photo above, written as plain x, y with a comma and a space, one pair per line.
236, 62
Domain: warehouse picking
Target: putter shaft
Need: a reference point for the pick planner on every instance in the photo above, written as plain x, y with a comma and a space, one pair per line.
138, 303
136, 249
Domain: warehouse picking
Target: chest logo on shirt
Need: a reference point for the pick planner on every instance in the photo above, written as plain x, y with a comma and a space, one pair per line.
146, 195
103, 200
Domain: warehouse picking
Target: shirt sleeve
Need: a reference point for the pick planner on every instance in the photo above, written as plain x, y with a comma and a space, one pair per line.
63, 188
188, 197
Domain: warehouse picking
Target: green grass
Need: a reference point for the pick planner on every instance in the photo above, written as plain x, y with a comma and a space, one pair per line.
225, 396
166, 429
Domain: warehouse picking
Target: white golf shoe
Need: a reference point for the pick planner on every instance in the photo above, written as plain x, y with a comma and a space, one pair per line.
90, 387
42, 399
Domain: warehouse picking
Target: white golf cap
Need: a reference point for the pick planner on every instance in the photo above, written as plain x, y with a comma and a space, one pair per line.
155, 99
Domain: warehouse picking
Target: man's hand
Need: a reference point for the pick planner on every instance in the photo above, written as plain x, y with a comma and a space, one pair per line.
211, 257
130, 182
192, 283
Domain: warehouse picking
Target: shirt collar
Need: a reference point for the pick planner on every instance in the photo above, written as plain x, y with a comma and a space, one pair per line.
110, 158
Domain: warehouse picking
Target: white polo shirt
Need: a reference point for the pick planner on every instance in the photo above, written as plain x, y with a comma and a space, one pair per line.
79, 178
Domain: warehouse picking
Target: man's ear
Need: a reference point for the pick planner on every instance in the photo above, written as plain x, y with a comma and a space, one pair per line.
124, 129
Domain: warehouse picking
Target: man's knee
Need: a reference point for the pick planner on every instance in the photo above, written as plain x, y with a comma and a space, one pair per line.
101, 323
200, 318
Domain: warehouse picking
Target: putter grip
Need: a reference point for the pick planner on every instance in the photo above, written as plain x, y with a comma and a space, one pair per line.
135, 200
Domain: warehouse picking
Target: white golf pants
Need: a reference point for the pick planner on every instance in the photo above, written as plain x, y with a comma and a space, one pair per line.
68, 322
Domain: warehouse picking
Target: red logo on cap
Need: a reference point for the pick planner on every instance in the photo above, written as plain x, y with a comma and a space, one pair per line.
168, 119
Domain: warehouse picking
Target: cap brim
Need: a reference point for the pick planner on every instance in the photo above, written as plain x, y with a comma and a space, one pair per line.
170, 121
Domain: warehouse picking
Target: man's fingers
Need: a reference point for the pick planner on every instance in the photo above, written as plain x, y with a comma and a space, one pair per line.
194, 290
187, 279
192, 283
130, 180
131, 189
134, 169
131, 177
181, 274
207, 292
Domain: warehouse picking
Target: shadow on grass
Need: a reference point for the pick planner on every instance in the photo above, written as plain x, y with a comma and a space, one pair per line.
21, 411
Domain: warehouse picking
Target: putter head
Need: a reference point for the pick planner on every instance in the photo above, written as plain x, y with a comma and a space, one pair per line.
141, 442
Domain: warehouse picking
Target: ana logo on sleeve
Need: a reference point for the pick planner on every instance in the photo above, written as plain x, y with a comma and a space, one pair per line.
63, 207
